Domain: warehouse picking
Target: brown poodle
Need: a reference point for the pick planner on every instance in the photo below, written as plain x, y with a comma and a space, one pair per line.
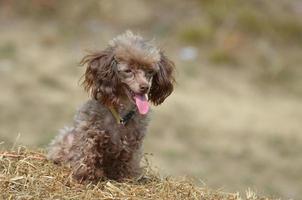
105, 140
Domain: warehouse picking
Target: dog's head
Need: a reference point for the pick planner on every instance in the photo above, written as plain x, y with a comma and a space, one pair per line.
132, 68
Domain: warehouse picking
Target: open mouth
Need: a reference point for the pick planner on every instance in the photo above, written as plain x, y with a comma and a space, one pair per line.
141, 102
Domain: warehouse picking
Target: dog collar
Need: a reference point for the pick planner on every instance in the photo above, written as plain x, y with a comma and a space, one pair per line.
119, 119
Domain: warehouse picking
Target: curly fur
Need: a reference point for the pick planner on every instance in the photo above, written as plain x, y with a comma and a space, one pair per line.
96, 146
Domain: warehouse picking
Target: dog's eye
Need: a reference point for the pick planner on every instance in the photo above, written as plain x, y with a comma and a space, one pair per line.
128, 71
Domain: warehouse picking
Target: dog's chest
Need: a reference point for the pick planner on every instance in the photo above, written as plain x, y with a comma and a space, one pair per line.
133, 130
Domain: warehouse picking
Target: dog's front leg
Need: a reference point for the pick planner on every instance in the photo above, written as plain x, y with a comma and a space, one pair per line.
89, 165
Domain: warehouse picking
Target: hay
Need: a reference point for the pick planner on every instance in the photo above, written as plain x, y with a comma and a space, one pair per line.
26, 174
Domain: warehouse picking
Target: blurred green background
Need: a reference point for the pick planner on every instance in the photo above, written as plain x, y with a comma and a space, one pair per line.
235, 119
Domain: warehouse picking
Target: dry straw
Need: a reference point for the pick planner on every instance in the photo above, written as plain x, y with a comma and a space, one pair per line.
26, 174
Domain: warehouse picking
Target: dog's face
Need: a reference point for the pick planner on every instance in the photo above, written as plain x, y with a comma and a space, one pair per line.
138, 78
129, 67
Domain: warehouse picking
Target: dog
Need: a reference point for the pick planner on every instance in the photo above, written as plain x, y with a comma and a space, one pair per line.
105, 141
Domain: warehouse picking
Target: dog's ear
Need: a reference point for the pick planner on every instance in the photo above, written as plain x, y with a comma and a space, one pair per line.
100, 80
163, 80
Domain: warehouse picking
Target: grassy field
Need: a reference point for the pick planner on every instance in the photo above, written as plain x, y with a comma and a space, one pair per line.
234, 120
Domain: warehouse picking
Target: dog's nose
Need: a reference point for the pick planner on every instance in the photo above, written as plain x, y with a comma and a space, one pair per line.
144, 88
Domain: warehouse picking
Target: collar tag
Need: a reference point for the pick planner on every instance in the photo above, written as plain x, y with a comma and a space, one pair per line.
119, 119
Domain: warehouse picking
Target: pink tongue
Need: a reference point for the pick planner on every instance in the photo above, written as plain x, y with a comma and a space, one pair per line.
142, 103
